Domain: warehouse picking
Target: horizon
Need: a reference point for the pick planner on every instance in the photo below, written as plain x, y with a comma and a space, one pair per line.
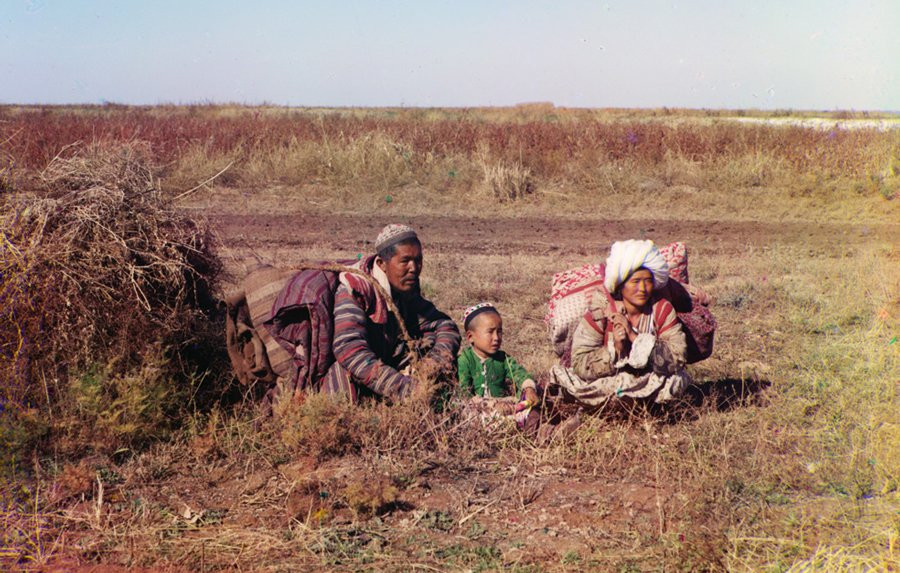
523, 106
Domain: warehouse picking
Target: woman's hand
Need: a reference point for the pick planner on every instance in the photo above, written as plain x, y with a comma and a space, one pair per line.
699, 295
621, 333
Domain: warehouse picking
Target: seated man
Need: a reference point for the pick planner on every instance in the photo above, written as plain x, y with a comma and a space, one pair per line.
371, 357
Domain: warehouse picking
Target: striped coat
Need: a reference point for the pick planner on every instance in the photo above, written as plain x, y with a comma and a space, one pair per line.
367, 346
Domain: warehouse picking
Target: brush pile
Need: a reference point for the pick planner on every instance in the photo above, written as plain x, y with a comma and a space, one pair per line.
103, 288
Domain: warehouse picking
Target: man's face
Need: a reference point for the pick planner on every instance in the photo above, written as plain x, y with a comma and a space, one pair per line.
403, 268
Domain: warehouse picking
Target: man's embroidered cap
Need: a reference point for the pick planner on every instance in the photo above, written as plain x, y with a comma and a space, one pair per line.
475, 310
393, 234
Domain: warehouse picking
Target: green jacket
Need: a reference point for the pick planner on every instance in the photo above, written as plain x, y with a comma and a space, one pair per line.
496, 370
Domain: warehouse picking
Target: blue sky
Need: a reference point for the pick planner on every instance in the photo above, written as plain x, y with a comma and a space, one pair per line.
714, 54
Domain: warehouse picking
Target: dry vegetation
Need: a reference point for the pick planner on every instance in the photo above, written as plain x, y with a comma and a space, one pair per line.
122, 445
106, 295
390, 148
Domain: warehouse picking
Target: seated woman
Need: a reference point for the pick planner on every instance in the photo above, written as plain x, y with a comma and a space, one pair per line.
629, 343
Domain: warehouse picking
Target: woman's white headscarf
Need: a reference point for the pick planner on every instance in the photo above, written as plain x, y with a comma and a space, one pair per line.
625, 257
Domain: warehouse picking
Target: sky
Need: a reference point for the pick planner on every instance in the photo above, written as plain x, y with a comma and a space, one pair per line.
762, 54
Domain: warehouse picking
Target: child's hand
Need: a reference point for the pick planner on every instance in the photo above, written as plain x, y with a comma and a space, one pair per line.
531, 397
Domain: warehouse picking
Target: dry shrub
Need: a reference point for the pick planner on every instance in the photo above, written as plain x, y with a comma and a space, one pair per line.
605, 178
292, 162
371, 496
372, 160
322, 426
131, 406
103, 284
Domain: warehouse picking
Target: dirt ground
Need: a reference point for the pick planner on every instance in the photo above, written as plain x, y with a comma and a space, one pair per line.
439, 519
536, 236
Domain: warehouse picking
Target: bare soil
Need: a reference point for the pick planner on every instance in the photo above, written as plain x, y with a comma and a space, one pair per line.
539, 236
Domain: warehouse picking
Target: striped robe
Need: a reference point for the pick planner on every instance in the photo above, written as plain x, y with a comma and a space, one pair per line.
654, 367
368, 349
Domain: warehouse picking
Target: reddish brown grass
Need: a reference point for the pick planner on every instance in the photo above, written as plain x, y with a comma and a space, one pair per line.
35, 135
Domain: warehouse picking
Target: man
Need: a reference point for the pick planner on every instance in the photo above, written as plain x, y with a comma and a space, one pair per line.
371, 356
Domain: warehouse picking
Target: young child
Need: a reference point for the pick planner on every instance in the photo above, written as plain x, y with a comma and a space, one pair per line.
484, 369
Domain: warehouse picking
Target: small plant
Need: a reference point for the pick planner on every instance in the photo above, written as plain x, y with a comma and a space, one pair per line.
131, 407
440, 520
371, 497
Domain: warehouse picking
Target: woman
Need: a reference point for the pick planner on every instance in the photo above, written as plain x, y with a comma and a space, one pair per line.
629, 342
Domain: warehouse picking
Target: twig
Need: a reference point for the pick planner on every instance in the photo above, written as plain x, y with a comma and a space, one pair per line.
43, 376
423, 566
557, 193
55, 157
210, 180
10, 138
477, 511
609, 181
98, 507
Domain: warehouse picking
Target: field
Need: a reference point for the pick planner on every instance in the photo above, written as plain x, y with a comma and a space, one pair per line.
785, 456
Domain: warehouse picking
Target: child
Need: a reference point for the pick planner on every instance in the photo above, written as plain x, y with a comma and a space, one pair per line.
484, 369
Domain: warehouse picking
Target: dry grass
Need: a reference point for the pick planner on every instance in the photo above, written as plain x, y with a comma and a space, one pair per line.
531, 157
784, 459
742, 482
545, 143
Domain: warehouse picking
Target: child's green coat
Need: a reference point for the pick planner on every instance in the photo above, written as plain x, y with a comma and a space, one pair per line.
496, 370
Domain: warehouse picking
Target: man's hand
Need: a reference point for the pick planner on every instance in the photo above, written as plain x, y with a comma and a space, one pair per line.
426, 370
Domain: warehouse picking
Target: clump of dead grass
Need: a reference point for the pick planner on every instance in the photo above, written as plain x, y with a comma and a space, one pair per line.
506, 181
375, 159
104, 284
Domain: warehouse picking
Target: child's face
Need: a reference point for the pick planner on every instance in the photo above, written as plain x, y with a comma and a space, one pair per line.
485, 334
